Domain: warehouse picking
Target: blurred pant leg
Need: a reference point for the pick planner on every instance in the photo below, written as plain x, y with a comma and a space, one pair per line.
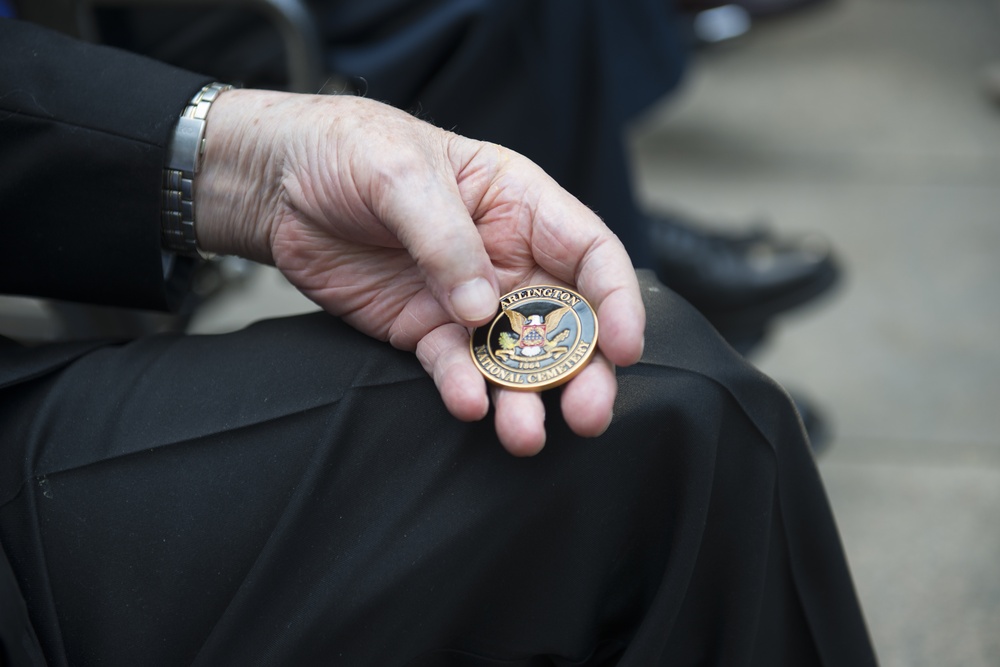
557, 80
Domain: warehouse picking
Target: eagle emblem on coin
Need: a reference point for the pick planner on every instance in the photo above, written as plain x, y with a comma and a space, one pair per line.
542, 337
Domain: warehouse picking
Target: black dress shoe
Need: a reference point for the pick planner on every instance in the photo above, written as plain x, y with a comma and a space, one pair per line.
740, 280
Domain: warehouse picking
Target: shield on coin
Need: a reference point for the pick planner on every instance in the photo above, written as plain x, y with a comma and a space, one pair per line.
532, 335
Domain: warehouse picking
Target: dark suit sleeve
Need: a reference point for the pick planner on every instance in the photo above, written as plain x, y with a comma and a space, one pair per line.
83, 134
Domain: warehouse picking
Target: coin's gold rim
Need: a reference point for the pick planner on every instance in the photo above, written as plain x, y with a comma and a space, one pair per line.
550, 384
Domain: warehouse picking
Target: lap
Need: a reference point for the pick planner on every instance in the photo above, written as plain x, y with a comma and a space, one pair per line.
296, 491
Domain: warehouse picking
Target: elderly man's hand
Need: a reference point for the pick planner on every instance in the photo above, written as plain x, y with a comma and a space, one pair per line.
410, 234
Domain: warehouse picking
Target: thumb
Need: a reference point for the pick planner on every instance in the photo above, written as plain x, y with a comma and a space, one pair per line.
425, 211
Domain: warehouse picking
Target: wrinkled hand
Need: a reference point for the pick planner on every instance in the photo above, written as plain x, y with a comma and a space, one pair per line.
410, 234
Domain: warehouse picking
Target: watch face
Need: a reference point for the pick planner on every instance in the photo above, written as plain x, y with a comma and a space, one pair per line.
542, 337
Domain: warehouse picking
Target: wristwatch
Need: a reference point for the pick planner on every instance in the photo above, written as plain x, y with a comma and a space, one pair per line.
177, 219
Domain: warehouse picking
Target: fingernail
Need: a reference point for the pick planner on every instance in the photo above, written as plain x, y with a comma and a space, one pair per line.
475, 300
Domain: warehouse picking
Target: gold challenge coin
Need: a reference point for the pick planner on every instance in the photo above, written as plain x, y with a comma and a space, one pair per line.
542, 337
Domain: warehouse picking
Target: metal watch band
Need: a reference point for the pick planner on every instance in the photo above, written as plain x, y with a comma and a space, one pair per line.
177, 220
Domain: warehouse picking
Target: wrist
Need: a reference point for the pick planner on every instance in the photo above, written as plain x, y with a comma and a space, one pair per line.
237, 191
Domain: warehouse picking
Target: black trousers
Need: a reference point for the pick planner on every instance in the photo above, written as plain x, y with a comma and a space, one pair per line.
296, 494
